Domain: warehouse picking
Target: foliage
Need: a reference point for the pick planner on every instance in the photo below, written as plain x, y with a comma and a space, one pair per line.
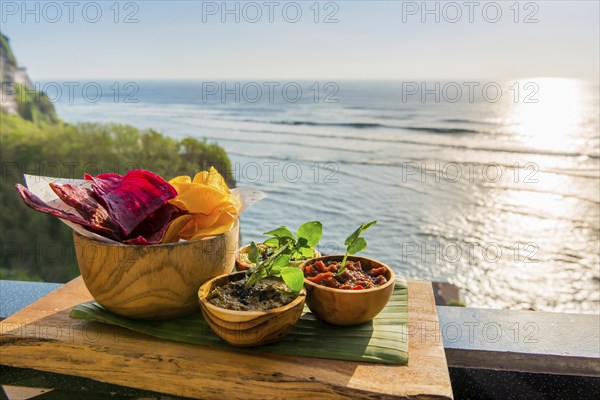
355, 244
34, 106
41, 245
287, 247
309, 231
5, 50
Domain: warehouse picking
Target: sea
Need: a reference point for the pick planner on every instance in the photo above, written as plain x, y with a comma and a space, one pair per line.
491, 186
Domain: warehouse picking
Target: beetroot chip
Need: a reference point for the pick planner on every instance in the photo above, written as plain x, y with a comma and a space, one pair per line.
131, 198
39, 205
138, 241
153, 228
87, 205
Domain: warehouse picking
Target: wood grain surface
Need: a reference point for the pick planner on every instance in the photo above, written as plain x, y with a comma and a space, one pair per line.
43, 337
248, 328
153, 282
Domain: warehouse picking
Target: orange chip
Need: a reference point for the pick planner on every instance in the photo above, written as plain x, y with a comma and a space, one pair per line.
204, 221
211, 207
171, 235
198, 198
180, 179
224, 224
213, 179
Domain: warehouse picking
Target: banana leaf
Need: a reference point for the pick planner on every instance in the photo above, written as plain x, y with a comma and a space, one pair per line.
382, 340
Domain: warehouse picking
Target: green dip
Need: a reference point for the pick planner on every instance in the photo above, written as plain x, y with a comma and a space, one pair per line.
266, 294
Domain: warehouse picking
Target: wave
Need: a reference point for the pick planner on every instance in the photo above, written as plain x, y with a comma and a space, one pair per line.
519, 150
364, 125
357, 125
441, 130
371, 178
353, 125
396, 164
466, 121
381, 108
392, 117
555, 193
513, 150
321, 147
542, 216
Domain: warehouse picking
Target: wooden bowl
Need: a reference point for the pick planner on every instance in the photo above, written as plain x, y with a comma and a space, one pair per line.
155, 281
348, 307
248, 328
243, 265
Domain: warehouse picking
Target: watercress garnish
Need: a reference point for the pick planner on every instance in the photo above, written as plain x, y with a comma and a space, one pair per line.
355, 244
307, 237
286, 248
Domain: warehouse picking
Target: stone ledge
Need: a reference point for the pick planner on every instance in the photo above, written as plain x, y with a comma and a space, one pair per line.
524, 341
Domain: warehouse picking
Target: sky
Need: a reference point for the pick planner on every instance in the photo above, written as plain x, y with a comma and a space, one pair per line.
301, 40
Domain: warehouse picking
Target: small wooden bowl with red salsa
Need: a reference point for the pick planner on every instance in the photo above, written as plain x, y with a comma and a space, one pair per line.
352, 298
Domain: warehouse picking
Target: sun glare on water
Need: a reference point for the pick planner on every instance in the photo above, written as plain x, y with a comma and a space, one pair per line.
546, 217
548, 113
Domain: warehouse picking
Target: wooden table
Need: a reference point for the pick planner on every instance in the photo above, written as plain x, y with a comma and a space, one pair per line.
43, 337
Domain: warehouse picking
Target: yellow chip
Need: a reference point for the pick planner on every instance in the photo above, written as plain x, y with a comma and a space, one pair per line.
204, 221
172, 233
197, 198
224, 224
213, 179
211, 207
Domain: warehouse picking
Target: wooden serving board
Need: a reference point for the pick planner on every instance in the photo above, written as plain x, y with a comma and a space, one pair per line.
42, 336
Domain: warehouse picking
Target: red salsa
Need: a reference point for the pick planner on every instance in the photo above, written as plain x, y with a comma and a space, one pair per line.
354, 278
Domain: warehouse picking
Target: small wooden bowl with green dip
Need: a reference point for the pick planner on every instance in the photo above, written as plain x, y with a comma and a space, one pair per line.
243, 327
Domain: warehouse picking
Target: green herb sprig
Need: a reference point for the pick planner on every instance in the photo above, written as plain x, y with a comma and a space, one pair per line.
286, 248
355, 244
